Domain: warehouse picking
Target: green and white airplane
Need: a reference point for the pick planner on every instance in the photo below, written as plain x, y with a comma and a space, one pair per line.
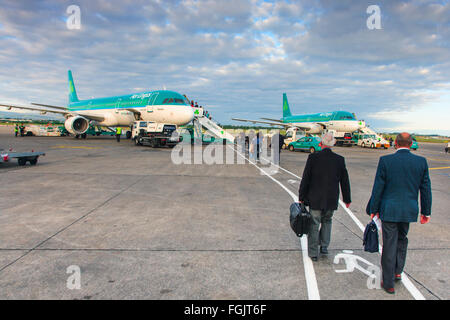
316, 123
161, 106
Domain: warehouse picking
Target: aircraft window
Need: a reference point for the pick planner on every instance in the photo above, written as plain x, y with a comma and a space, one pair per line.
174, 100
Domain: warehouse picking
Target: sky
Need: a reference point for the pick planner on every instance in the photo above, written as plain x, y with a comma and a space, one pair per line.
237, 57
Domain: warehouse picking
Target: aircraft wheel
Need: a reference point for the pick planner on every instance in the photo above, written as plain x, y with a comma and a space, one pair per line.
155, 143
21, 161
137, 141
34, 161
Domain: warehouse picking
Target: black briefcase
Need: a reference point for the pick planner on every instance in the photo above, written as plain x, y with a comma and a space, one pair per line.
370, 240
300, 219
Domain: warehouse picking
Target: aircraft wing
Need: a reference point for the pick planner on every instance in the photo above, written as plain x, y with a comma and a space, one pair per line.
277, 123
136, 113
276, 120
61, 110
264, 122
88, 116
49, 106
42, 111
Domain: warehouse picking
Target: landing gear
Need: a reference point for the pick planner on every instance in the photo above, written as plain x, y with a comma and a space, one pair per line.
155, 143
137, 141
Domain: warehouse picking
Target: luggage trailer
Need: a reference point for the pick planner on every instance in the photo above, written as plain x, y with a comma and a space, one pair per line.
22, 157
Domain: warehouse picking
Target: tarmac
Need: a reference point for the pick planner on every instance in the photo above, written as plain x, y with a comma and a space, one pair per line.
139, 226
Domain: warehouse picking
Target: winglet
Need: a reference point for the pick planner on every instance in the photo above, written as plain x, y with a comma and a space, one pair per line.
286, 109
72, 91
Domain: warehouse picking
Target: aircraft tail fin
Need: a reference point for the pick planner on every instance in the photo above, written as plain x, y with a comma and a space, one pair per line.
286, 109
72, 91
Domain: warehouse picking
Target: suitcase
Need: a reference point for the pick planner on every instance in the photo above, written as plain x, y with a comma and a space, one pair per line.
300, 219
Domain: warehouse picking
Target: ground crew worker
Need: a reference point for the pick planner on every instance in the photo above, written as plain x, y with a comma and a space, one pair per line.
16, 130
118, 133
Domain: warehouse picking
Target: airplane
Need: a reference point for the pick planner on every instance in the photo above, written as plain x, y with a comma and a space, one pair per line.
161, 106
317, 123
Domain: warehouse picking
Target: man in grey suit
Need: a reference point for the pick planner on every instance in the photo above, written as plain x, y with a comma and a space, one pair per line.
399, 178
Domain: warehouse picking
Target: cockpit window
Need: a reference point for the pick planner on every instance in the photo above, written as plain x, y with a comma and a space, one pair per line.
173, 101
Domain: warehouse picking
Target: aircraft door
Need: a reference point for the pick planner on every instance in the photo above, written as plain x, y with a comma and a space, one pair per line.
151, 102
117, 106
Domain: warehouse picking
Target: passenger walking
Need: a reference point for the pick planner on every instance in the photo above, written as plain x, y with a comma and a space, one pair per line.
399, 178
280, 145
118, 133
319, 189
16, 130
259, 142
447, 149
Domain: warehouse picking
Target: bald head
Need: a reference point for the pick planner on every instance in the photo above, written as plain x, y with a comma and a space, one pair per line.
404, 140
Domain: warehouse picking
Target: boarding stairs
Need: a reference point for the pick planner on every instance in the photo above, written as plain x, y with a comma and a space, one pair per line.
201, 121
367, 130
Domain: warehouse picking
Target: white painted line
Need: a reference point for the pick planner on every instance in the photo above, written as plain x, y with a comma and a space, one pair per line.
350, 213
405, 280
310, 275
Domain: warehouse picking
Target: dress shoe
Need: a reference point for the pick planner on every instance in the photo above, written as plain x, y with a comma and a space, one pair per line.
388, 290
323, 250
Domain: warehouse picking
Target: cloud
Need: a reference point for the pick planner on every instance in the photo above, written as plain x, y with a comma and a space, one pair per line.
238, 56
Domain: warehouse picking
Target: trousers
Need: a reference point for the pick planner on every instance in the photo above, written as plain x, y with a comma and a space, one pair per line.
320, 231
395, 246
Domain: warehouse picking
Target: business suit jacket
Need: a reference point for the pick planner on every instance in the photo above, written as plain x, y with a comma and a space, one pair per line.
399, 178
323, 173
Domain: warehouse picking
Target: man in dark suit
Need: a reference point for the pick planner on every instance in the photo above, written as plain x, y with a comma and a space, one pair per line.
399, 178
319, 189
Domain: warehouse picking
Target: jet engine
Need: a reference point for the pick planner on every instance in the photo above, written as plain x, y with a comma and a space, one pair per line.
77, 125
